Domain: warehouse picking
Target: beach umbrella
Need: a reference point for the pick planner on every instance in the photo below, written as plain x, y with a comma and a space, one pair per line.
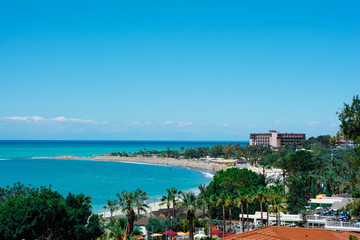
229, 234
217, 232
180, 233
187, 233
199, 235
170, 233
320, 196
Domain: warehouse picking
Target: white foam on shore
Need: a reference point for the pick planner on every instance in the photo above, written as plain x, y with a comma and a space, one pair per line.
207, 174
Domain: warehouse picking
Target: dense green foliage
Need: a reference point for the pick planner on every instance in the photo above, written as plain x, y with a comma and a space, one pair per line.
42, 213
228, 183
350, 128
233, 179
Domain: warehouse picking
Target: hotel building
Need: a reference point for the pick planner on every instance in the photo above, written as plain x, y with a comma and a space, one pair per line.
275, 139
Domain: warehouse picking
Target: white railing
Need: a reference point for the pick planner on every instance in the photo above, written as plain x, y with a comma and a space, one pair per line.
318, 218
342, 225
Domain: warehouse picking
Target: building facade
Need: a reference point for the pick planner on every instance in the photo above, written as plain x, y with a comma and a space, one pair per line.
275, 139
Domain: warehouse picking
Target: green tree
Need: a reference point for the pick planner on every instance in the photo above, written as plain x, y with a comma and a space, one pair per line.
297, 193
216, 151
128, 203
260, 196
349, 118
328, 190
116, 229
278, 206
140, 201
228, 150
240, 201
202, 189
222, 202
166, 200
191, 203
249, 197
211, 201
112, 206
174, 198
230, 202
45, 214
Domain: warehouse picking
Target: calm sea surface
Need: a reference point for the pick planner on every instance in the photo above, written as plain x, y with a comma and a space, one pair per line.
21, 161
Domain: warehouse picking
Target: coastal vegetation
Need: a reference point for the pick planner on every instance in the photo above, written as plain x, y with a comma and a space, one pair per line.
42, 213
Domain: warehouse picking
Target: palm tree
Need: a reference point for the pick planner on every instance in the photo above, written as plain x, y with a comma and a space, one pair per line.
128, 202
260, 195
202, 189
141, 198
116, 229
240, 203
268, 197
222, 201
210, 202
112, 206
174, 195
166, 200
229, 202
249, 197
191, 203
278, 206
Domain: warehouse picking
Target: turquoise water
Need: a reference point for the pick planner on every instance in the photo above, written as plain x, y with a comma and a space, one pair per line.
21, 161
100, 180
29, 149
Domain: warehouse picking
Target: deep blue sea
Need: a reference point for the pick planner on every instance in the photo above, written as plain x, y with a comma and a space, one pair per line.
22, 161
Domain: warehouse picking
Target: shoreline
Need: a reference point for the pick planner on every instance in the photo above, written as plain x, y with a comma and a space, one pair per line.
190, 164
208, 165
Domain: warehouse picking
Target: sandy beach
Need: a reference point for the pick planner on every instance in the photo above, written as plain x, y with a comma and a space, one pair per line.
211, 165
193, 164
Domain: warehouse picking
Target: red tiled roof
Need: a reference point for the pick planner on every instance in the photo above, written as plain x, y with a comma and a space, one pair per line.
292, 233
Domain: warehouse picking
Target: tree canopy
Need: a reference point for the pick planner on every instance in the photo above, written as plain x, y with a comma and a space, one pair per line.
31, 213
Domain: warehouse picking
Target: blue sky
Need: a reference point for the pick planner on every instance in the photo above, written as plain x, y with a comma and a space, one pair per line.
175, 70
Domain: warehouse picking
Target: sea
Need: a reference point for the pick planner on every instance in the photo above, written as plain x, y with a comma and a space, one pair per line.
27, 162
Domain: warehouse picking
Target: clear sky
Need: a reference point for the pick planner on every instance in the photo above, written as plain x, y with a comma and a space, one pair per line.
175, 70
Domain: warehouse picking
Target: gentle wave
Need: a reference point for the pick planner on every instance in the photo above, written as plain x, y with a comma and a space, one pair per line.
207, 174
4, 159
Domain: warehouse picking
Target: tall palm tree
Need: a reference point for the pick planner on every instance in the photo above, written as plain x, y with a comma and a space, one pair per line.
174, 195
268, 197
202, 189
128, 204
211, 201
141, 198
166, 200
240, 203
260, 195
230, 202
249, 197
191, 203
222, 201
278, 206
112, 206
